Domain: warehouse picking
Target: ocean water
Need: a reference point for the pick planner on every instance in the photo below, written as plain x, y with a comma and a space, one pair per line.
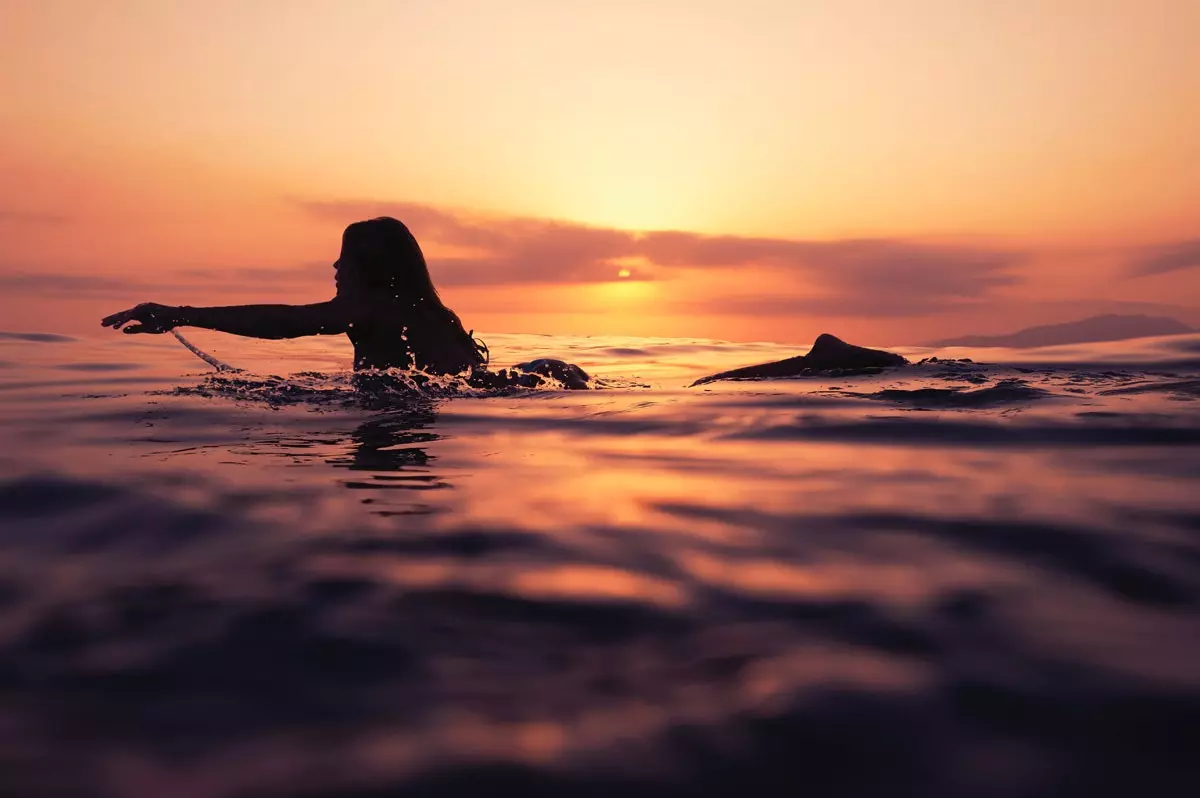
954, 579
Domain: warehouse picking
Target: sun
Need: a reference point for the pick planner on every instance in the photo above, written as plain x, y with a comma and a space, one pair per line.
624, 273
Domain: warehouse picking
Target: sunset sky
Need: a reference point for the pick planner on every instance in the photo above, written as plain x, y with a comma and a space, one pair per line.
888, 170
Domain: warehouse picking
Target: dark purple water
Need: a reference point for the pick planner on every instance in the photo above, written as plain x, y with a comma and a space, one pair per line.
952, 580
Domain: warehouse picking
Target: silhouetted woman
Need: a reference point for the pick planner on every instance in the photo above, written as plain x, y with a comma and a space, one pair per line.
386, 303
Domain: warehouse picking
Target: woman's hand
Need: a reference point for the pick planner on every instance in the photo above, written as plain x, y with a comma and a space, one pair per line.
148, 317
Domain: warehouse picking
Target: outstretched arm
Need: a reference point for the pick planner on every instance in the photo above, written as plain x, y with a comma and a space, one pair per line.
255, 321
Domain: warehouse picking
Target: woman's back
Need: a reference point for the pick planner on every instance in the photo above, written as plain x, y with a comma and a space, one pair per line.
429, 339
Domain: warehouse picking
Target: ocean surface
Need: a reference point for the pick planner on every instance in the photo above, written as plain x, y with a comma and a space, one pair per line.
954, 579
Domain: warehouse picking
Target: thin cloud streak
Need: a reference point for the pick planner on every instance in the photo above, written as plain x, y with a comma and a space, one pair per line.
60, 282
15, 216
207, 282
871, 306
1165, 258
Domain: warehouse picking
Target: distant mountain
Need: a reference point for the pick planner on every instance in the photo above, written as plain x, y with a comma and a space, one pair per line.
1109, 327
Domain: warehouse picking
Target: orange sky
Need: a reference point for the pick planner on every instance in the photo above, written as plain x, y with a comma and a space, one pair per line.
891, 170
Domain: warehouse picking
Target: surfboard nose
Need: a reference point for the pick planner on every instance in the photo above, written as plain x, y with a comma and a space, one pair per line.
829, 352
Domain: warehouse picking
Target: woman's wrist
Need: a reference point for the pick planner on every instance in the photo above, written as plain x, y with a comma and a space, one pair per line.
181, 316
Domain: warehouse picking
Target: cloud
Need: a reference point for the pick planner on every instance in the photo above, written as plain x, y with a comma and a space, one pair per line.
238, 278
14, 216
875, 278
851, 276
887, 277
214, 281
870, 305
509, 250
859, 277
1165, 258
1081, 308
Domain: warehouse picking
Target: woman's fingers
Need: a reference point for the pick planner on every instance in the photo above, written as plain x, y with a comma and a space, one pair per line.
117, 319
144, 325
151, 318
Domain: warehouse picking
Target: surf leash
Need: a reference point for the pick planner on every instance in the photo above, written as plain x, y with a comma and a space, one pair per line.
207, 358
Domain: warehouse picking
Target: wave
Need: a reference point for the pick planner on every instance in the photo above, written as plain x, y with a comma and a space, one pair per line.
1006, 392
418, 660
1187, 388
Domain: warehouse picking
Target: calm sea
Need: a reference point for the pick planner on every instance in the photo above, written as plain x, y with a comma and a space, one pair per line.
957, 579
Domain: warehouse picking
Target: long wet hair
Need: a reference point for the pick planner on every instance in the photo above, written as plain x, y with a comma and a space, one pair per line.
384, 262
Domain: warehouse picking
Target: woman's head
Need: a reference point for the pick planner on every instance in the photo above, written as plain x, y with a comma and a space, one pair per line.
381, 260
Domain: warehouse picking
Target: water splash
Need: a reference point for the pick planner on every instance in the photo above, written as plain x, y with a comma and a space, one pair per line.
373, 389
